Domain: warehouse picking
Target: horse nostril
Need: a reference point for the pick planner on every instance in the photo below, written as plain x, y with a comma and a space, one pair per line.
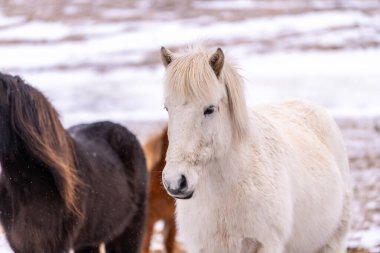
182, 183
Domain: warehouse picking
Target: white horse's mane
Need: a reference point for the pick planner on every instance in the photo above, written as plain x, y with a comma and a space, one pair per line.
274, 180
191, 76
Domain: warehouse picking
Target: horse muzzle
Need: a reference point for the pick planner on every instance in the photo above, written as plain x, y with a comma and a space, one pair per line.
178, 190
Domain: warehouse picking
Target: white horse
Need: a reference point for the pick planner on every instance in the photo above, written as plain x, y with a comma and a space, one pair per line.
274, 179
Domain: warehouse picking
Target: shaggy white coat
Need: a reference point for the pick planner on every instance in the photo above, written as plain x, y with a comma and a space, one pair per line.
275, 178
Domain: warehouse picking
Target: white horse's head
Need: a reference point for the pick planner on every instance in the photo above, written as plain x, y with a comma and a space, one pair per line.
207, 115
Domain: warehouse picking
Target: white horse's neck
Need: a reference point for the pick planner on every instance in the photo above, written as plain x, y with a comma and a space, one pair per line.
224, 174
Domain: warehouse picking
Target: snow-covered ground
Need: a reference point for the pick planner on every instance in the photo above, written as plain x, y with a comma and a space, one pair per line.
99, 59
77, 62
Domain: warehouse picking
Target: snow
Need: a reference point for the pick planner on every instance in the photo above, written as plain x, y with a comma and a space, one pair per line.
36, 30
239, 4
347, 83
117, 13
313, 75
140, 38
368, 239
372, 238
275, 4
271, 77
7, 21
158, 240
107, 67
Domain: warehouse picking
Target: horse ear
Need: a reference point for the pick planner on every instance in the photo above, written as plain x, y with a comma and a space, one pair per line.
217, 61
166, 56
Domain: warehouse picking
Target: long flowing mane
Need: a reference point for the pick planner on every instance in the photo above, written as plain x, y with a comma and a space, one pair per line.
36, 123
190, 75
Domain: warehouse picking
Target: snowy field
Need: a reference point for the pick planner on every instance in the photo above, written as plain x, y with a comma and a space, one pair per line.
99, 60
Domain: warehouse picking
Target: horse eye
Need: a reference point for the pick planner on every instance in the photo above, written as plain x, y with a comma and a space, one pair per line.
165, 108
209, 110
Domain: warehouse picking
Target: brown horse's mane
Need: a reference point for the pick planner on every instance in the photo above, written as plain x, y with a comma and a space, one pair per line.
154, 149
37, 124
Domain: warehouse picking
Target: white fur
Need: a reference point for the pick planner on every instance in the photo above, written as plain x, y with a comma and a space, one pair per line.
283, 184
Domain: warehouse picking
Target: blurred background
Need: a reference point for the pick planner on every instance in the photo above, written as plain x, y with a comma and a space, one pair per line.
99, 60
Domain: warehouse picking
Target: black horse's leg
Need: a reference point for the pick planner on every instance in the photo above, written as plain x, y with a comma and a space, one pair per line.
88, 250
131, 239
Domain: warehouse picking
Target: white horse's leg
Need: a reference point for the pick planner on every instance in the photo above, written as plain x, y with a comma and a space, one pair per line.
337, 243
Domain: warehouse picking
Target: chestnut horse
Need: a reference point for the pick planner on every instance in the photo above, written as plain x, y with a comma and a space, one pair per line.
271, 179
62, 190
161, 206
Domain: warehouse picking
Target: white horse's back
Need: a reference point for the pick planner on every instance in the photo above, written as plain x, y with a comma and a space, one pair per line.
272, 180
310, 118
318, 170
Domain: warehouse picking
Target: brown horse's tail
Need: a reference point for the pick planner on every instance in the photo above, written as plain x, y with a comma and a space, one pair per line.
36, 124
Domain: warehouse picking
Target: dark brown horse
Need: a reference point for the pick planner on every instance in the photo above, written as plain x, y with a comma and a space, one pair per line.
66, 189
161, 205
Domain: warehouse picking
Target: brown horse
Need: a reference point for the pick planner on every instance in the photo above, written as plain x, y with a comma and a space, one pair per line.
161, 205
66, 189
